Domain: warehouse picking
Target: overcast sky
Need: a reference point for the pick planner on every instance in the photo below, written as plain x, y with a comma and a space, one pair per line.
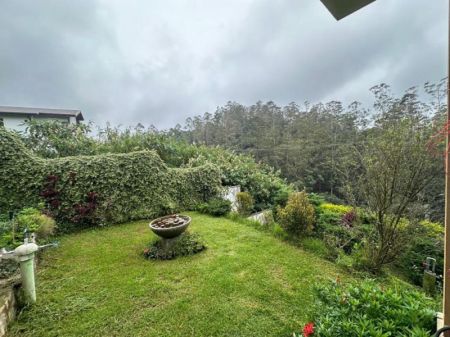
160, 61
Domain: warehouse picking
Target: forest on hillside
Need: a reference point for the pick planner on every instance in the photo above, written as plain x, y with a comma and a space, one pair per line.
316, 146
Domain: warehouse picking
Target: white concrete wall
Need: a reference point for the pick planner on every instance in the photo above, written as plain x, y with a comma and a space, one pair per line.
230, 193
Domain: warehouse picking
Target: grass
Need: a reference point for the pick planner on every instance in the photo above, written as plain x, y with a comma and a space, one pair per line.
247, 283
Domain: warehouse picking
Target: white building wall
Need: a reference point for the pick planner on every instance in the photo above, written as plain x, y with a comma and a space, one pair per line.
14, 123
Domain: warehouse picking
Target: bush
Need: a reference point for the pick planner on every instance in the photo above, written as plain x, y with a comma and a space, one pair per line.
316, 199
336, 209
326, 221
298, 216
340, 228
244, 203
87, 191
215, 207
184, 245
366, 309
30, 220
369, 251
35, 222
6, 231
55, 140
427, 240
260, 180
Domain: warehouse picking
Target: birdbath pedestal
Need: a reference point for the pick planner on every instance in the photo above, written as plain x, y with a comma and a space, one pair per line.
170, 227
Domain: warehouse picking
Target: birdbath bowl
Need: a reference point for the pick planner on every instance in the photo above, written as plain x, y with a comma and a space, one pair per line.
170, 226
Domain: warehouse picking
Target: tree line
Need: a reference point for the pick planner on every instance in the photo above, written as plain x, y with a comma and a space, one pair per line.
317, 146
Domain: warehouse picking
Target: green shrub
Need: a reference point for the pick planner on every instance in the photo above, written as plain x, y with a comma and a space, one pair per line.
366, 309
184, 245
53, 140
369, 251
316, 199
35, 222
281, 196
28, 219
337, 209
427, 240
339, 226
87, 191
326, 221
298, 216
260, 180
244, 203
6, 231
215, 207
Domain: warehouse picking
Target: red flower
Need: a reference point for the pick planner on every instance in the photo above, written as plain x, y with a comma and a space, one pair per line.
308, 329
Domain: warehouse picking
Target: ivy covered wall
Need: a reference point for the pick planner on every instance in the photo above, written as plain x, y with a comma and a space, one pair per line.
84, 191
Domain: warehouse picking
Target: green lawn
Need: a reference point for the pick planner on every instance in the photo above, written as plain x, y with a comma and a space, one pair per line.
247, 283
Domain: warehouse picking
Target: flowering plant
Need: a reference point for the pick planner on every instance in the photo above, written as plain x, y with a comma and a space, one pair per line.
307, 331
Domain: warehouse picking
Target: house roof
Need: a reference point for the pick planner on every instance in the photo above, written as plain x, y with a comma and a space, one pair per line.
45, 112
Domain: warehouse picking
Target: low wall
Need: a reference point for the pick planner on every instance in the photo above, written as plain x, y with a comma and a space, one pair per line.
8, 302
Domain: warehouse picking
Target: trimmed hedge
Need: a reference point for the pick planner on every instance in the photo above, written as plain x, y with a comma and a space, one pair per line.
83, 191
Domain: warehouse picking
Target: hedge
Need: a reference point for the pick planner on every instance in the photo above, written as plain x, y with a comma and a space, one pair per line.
83, 191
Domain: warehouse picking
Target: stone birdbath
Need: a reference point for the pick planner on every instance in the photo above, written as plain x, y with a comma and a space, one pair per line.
169, 227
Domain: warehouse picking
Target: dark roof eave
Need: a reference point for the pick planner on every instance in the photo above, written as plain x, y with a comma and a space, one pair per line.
11, 111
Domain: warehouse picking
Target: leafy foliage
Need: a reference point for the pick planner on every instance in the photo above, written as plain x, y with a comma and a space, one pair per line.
298, 216
52, 140
84, 191
367, 309
184, 245
215, 207
313, 144
396, 168
261, 181
337, 209
30, 220
245, 203
426, 240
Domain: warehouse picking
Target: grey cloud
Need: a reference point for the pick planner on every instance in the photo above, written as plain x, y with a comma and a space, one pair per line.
158, 62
